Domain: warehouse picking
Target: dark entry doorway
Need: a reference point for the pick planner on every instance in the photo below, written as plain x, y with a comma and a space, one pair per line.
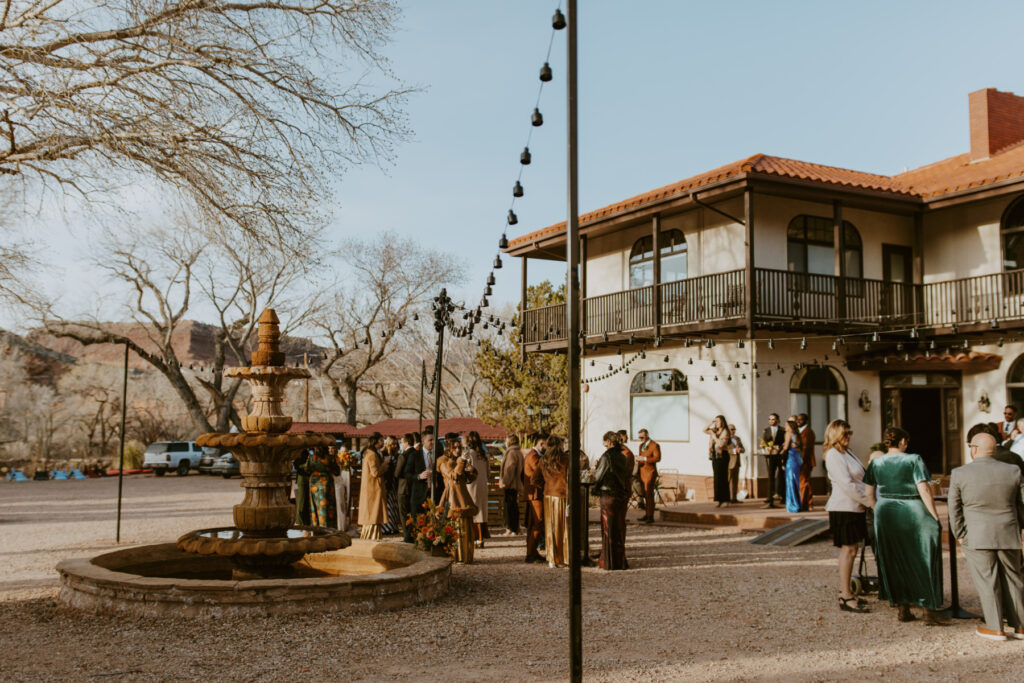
922, 418
928, 406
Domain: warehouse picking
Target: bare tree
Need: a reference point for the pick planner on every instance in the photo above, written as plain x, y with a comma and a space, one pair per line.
386, 283
175, 272
236, 104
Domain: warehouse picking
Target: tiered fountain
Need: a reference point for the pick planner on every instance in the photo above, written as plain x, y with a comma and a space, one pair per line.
263, 564
264, 543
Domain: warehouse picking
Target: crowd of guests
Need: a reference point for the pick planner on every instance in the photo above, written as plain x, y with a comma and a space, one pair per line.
395, 483
986, 514
789, 449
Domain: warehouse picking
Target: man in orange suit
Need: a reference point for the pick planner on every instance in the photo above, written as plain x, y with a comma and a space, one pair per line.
648, 455
533, 489
807, 439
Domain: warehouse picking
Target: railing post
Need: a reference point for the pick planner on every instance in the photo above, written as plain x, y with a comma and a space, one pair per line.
748, 212
656, 302
522, 310
839, 237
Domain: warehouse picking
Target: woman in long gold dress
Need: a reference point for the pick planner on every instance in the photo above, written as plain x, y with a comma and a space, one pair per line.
554, 465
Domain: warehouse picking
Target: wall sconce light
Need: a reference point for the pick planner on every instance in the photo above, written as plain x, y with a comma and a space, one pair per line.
864, 401
984, 405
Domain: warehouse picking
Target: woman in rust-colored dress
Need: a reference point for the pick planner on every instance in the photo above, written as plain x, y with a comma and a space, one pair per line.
458, 471
372, 507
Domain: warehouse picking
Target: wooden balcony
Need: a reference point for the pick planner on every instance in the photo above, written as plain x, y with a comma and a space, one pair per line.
788, 301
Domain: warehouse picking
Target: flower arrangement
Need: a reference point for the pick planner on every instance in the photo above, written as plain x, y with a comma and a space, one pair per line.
435, 530
769, 449
344, 460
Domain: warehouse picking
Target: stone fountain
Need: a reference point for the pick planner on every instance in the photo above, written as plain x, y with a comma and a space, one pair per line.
264, 564
264, 543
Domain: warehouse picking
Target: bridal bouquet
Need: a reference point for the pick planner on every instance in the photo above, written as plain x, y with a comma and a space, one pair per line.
434, 530
770, 449
344, 460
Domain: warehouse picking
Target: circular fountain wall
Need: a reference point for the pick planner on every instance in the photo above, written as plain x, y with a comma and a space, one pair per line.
158, 580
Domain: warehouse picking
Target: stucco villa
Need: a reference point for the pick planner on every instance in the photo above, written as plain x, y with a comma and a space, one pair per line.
786, 286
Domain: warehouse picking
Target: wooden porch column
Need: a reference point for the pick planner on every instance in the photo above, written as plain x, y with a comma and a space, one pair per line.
583, 284
522, 310
918, 267
839, 237
656, 294
749, 293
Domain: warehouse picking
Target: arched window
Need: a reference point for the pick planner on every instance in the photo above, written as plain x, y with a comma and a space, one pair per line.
1015, 384
820, 392
659, 402
811, 247
673, 259
1012, 228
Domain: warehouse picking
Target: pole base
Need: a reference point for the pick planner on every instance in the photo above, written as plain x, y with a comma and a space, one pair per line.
957, 612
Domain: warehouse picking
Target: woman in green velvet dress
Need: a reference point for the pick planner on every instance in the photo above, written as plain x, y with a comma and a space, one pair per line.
908, 543
301, 490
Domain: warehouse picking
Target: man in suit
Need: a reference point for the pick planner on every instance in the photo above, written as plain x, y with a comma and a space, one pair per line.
807, 439
533, 489
772, 437
417, 474
648, 455
986, 512
1008, 426
404, 484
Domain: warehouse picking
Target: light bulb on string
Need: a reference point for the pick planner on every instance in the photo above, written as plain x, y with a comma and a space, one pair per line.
517, 189
536, 118
525, 157
512, 218
558, 20
545, 73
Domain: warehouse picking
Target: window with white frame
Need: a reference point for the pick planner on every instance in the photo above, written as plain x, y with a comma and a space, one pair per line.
659, 402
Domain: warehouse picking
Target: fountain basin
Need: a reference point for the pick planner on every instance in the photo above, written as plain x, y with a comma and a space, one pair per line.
161, 580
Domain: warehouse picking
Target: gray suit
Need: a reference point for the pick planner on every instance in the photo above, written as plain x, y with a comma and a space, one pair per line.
986, 512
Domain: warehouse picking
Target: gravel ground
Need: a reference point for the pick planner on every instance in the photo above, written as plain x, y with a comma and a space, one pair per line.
698, 604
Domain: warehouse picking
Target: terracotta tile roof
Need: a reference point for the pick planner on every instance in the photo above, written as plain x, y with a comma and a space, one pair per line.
959, 360
761, 164
948, 175
461, 425
960, 173
323, 428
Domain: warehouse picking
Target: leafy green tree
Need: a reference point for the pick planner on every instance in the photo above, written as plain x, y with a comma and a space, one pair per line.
516, 385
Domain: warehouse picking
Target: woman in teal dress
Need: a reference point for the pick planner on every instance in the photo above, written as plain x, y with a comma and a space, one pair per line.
791, 447
321, 468
908, 545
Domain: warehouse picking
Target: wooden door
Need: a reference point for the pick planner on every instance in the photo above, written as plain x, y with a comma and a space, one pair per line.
898, 272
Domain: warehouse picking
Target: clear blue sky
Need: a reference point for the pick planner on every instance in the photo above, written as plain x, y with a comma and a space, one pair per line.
667, 90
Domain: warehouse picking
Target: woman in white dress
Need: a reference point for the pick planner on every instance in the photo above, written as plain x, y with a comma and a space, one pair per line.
478, 489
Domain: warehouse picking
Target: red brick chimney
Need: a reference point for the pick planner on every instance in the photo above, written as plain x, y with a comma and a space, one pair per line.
997, 121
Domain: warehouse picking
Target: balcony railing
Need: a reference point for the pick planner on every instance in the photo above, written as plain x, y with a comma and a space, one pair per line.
792, 299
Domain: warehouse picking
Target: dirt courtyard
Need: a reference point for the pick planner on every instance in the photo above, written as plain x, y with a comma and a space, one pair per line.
698, 604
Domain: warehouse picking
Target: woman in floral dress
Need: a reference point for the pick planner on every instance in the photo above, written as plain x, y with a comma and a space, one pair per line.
321, 468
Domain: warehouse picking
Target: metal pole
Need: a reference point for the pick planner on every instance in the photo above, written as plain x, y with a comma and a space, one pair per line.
572, 246
439, 320
423, 387
305, 360
120, 450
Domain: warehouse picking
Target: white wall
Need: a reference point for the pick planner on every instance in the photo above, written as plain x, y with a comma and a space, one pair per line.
961, 241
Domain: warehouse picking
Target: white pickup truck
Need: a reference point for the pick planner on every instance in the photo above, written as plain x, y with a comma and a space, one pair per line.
180, 456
